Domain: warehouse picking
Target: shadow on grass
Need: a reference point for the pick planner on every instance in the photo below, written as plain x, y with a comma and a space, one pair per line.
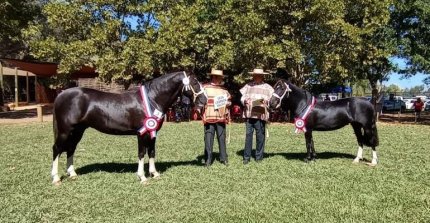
28, 113
301, 156
112, 167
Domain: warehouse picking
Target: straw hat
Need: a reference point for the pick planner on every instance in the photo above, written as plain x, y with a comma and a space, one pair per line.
258, 71
215, 72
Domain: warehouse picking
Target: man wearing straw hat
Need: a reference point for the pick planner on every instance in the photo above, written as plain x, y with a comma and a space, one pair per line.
255, 97
215, 116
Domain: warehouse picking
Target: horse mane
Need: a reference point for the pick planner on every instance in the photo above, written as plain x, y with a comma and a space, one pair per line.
159, 83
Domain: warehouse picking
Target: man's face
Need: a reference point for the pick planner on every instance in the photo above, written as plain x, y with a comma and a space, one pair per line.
257, 78
217, 79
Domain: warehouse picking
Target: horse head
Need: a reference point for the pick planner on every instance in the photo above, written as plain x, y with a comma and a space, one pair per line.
194, 89
282, 90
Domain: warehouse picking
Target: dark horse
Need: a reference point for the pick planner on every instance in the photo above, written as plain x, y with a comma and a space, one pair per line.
76, 109
327, 115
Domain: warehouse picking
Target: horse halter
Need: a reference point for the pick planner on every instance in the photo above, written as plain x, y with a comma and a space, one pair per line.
286, 92
188, 86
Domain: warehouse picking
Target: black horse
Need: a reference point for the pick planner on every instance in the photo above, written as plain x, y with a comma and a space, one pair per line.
326, 116
76, 109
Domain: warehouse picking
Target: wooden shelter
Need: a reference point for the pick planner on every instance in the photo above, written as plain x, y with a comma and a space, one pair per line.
31, 69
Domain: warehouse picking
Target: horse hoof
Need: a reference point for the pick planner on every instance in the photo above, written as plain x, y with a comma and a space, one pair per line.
56, 183
144, 182
73, 177
372, 164
356, 161
155, 175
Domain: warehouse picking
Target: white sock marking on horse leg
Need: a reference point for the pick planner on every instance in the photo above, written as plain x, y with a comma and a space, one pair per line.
152, 169
141, 171
375, 158
70, 168
54, 173
359, 155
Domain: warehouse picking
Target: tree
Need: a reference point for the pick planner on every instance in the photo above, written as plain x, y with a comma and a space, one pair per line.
325, 40
14, 16
416, 90
393, 88
411, 20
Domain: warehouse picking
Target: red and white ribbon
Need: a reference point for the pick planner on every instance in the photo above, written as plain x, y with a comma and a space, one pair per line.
152, 121
300, 122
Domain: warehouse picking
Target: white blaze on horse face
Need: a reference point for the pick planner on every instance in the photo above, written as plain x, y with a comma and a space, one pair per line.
54, 172
359, 155
152, 169
375, 158
70, 168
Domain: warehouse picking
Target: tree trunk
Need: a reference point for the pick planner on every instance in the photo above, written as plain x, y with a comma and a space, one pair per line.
376, 98
1, 97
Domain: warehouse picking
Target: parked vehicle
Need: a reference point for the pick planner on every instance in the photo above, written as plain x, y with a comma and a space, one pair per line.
409, 103
322, 97
427, 106
393, 105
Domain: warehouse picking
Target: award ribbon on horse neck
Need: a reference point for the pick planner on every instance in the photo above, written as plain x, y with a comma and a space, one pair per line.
300, 122
152, 121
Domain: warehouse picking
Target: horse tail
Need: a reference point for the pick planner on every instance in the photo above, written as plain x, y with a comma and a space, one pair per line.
371, 138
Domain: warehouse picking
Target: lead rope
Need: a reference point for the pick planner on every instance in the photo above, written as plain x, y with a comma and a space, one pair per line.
228, 128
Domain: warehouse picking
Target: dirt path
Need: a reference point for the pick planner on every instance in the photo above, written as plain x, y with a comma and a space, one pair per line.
27, 114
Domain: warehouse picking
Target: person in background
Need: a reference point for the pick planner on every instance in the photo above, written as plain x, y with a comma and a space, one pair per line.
418, 107
255, 97
186, 108
216, 116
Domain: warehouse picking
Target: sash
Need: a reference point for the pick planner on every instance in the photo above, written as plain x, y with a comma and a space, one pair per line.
300, 122
153, 119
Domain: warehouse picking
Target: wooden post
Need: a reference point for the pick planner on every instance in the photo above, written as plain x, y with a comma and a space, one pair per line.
1, 85
27, 91
35, 89
16, 88
39, 113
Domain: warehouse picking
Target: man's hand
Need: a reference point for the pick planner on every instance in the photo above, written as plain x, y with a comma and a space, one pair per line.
247, 101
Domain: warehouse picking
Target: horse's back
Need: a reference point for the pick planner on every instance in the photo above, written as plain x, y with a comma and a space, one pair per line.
332, 115
111, 113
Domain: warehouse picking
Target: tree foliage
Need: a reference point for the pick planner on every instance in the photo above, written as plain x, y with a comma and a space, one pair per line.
411, 20
15, 16
321, 40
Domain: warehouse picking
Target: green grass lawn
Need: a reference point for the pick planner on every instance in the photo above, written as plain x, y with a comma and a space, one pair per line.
280, 189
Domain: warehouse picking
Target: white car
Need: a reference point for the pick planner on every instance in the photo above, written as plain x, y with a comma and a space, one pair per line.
409, 103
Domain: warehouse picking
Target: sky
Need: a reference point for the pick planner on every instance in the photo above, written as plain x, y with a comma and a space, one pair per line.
395, 78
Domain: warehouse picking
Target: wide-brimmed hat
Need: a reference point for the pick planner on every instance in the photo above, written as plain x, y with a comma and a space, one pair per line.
215, 72
258, 71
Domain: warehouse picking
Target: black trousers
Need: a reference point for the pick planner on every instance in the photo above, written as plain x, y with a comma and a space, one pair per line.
260, 133
210, 129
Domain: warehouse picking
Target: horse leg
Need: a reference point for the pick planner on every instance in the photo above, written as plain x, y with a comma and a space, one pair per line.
141, 155
313, 153
359, 134
151, 153
372, 141
374, 157
57, 150
308, 137
74, 138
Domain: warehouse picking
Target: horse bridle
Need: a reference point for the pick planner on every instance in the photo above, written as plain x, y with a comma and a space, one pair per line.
286, 92
188, 86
